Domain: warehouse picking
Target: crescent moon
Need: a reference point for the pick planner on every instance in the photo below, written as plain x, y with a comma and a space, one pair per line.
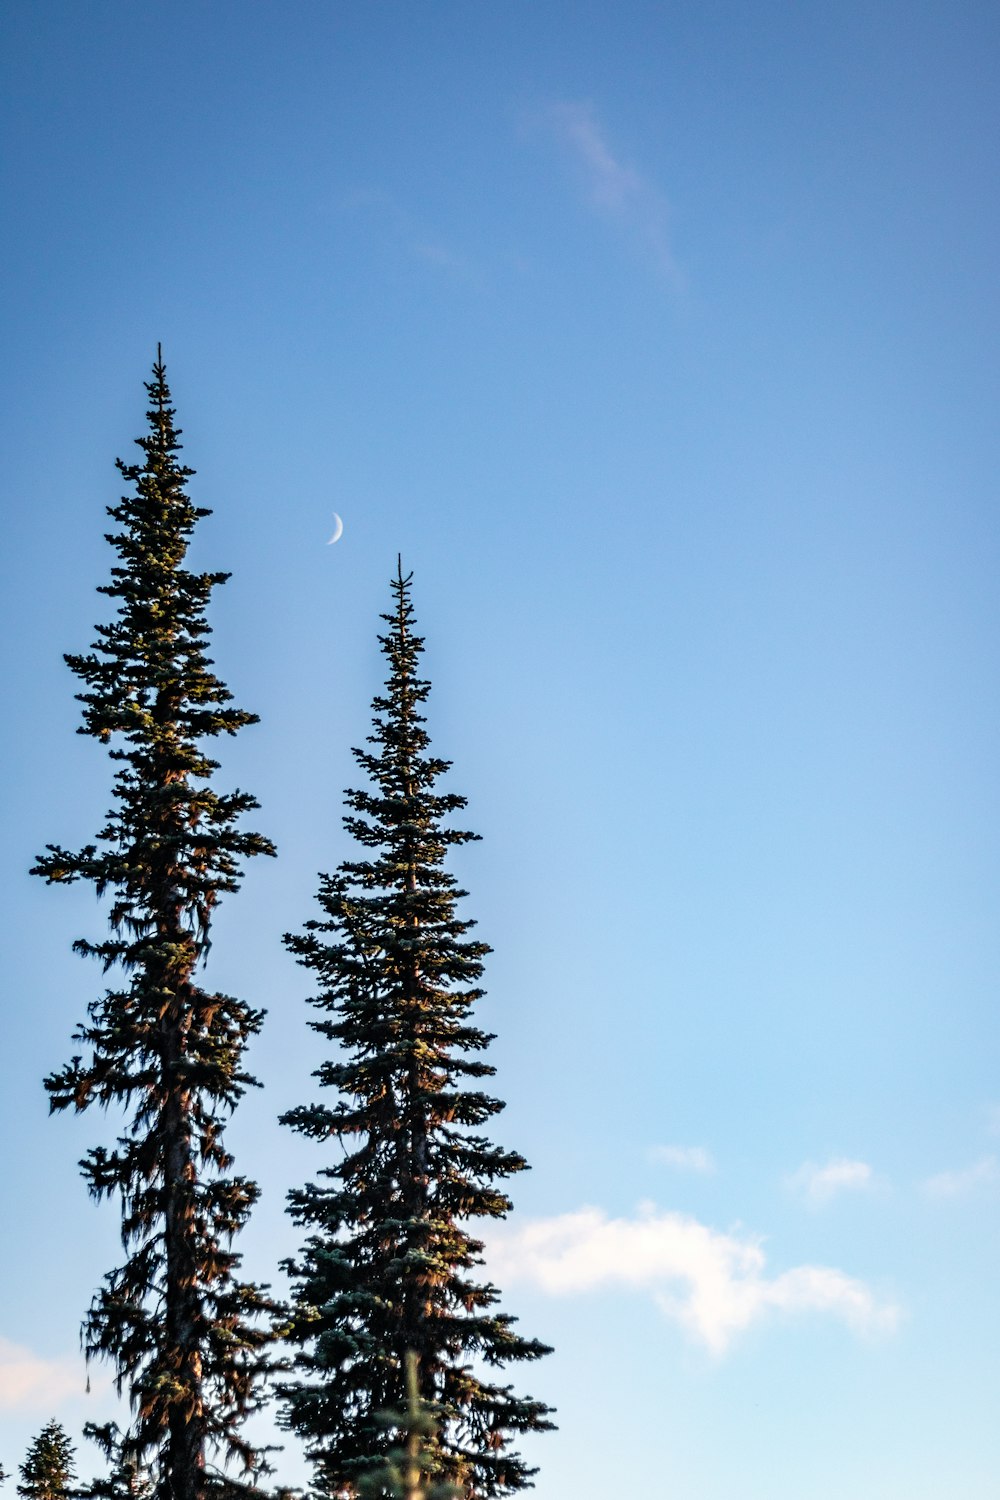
338, 530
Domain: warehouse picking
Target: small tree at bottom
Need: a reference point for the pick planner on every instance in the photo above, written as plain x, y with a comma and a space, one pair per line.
49, 1466
410, 1470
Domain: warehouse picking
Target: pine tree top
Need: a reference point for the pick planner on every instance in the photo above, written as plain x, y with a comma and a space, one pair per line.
150, 692
49, 1466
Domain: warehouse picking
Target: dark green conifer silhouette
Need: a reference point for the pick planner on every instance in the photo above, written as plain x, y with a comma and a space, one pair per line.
409, 1469
48, 1468
125, 1479
389, 1267
183, 1332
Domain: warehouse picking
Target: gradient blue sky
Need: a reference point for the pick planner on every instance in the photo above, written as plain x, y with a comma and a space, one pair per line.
662, 342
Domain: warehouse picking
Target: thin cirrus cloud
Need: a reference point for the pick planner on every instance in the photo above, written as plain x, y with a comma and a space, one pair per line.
984, 1173
396, 225
818, 1185
28, 1382
614, 188
683, 1158
713, 1285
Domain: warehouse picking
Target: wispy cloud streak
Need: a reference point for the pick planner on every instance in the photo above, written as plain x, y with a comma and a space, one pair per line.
30, 1383
684, 1158
403, 230
819, 1184
614, 188
714, 1285
984, 1173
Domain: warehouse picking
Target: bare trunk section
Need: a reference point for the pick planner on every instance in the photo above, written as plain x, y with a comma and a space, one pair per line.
185, 1459
184, 1465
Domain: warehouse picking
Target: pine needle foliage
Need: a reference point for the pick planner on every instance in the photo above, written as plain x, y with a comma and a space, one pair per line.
49, 1466
124, 1479
184, 1334
389, 1266
410, 1468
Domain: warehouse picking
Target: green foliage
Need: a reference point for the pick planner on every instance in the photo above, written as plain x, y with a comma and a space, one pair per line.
408, 1472
126, 1479
389, 1266
48, 1467
183, 1332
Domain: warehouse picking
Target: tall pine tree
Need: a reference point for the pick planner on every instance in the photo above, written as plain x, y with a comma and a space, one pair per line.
389, 1269
182, 1330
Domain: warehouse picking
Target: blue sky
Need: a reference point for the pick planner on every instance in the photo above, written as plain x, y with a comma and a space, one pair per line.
661, 341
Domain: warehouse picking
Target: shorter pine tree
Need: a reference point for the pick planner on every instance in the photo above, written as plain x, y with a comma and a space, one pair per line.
49, 1466
389, 1267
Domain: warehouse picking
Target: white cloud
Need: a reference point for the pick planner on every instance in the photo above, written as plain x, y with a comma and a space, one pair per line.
28, 1382
713, 1284
614, 188
819, 1184
984, 1173
684, 1158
